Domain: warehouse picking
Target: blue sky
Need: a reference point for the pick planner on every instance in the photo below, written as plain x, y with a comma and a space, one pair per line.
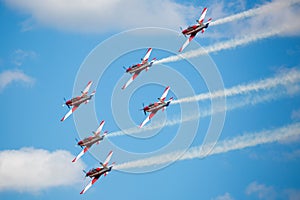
51, 50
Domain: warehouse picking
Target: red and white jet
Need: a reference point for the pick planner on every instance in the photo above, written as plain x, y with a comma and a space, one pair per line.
88, 142
137, 68
97, 172
194, 29
154, 107
77, 101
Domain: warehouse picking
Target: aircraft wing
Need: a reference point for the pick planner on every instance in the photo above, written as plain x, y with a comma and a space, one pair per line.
89, 185
99, 128
187, 42
146, 57
131, 79
164, 95
107, 159
81, 154
86, 89
69, 113
147, 119
201, 19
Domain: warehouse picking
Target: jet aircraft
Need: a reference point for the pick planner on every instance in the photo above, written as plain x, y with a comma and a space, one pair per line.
95, 173
194, 29
154, 107
77, 101
138, 68
88, 142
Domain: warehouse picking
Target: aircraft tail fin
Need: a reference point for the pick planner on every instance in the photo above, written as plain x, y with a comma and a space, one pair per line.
169, 101
206, 25
93, 93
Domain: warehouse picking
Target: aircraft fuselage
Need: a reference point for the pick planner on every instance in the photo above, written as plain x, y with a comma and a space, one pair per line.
90, 140
194, 29
98, 171
156, 106
78, 100
138, 67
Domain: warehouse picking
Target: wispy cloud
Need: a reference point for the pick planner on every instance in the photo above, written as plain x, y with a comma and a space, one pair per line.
9, 76
268, 8
296, 115
225, 196
261, 190
265, 192
269, 15
32, 170
19, 56
292, 194
237, 143
103, 16
262, 18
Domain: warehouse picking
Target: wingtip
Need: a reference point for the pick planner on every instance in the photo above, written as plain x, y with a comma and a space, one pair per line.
74, 160
82, 192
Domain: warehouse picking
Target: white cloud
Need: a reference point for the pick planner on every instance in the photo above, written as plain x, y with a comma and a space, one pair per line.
32, 170
103, 15
269, 192
292, 194
225, 196
9, 76
272, 16
261, 190
19, 56
97, 16
296, 115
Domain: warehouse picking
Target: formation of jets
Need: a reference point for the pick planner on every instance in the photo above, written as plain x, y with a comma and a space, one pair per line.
152, 108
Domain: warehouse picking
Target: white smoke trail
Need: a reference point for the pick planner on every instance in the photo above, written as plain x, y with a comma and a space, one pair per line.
289, 77
237, 143
269, 7
286, 79
272, 30
220, 46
